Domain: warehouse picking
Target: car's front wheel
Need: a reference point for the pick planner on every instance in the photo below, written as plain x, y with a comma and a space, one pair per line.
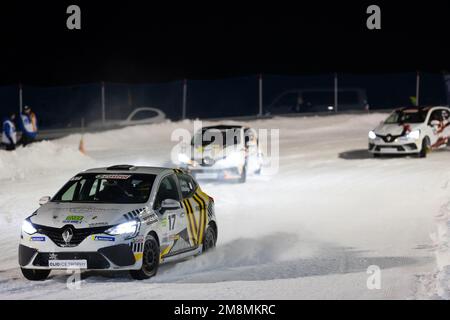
209, 242
426, 147
35, 274
243, 176
150, 260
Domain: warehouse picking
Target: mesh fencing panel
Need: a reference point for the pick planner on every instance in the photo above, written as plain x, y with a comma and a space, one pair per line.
65, 106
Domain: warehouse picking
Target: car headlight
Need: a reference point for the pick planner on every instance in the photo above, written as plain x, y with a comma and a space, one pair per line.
28, 227
184, 158
127, 229
413, 135
372, 135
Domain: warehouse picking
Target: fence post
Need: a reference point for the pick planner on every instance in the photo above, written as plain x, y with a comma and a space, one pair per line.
417, 88
335, 92
183, 112
103, 104
20, 98
260, 80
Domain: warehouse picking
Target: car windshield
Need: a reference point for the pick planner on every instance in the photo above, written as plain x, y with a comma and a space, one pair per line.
406, 116
221, 137
107, 188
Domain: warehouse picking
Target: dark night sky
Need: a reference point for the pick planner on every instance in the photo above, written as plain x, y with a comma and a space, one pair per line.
140, 41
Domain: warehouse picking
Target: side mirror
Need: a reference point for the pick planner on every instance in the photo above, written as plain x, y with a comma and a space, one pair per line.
170, 204
44, 200
434, 123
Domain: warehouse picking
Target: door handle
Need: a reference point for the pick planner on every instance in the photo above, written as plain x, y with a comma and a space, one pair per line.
182, 214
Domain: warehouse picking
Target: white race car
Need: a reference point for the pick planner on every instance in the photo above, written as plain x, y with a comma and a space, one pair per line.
223, 152
118, 218
411, 130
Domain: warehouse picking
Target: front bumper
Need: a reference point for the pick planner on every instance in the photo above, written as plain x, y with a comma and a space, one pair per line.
215, 174
100, 255
378, 146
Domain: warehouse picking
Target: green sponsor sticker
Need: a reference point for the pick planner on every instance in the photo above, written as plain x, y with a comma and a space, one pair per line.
73, 219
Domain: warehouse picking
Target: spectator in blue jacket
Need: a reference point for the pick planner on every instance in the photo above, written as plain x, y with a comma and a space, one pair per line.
9, 136
28, 126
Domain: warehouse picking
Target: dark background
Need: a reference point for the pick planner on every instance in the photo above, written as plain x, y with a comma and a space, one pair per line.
148, 42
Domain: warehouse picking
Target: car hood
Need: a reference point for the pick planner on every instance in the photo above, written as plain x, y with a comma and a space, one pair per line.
82, 215
214, 151
394, 129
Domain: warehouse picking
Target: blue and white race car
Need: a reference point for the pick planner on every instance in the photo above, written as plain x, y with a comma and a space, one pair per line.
118, 218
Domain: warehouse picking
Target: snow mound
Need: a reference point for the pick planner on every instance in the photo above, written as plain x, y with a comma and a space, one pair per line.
40, 158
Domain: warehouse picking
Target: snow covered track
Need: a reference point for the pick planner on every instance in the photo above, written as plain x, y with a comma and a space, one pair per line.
311, 231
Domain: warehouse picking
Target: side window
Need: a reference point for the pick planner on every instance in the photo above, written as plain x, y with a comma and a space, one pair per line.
72, 193
435, 115
68, 195
187, 185
167, 190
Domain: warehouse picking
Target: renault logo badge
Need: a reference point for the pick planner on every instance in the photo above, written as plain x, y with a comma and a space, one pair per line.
67, 235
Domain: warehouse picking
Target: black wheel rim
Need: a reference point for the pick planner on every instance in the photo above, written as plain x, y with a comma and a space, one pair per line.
209, 243
150, 258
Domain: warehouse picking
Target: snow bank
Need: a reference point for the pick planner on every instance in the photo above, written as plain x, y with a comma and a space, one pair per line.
39, 159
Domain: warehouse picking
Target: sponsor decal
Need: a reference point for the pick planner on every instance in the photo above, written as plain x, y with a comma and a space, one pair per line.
86, 210
76, 178
103, 238
150, 219
113, 176
37, 238
68, 264
73, 219
164, 222
52, 256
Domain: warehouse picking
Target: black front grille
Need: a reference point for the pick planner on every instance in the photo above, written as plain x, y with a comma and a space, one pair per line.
389, 138
399, 148
94, 259
78, 235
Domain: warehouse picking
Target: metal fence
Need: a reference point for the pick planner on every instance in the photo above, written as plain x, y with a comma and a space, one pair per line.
65, 106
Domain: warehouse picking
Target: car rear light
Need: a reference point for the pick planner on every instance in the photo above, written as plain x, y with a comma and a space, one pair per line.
212, 199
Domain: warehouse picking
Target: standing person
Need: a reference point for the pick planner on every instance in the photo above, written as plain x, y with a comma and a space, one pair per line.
28, 126
9, 136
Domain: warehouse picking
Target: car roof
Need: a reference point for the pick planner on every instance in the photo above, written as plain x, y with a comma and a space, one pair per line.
420, 108
124, 168
223, 127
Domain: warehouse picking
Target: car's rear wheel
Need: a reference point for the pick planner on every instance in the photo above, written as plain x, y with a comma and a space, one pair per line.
426, 147
209, 242
35, 274
150, 260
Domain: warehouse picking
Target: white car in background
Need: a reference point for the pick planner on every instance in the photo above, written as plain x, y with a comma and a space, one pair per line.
411, 130
223, 152
118, 218
138, 116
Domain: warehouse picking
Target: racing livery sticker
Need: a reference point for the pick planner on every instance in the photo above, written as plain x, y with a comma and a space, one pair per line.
73, 219
113, 176
37, 238
103, 238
